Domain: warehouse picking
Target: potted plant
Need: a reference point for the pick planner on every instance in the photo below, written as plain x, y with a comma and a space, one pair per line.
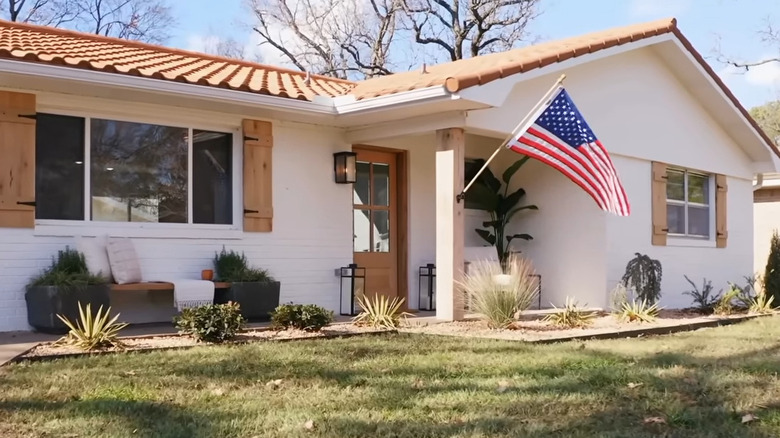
59, 289
254, 289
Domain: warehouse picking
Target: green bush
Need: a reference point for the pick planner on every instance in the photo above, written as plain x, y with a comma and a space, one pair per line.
69, 268
211, 322
772, 272
233, 267
308, 317
643, 276
704, 299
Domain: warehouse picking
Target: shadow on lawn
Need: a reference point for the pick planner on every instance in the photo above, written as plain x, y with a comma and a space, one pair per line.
152, 419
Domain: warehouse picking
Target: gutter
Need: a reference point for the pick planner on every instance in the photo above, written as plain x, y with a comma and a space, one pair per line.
349, 105
759, 182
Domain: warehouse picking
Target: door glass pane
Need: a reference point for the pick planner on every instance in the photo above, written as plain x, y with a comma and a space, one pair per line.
362, 186
699, 221
698, 189
675, 185
381, 184
381, 231
139, 172
675, 215
59, 167
362, 230
212, 185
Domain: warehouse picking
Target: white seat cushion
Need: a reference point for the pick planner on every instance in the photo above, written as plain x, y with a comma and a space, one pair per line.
125, 266
96, 255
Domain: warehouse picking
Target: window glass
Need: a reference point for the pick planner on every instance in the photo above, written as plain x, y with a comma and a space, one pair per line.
698, 221
362, 184
59, 167
212, 181
138, 172
676, 218
381, 228
362, 230
698, 189
381, 184
687, 207
675, 185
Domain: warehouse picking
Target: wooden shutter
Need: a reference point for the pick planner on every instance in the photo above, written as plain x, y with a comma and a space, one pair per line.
660, 225
17, 160
258, 177
721, 194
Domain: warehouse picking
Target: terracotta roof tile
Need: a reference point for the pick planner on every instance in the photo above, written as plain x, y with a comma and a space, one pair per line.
26, 42
466, 73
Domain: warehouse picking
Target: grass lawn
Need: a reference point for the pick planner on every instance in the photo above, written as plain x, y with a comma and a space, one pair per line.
695, 384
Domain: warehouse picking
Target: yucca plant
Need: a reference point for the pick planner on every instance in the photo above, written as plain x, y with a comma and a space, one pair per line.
639, 311
93, 331
499, 295
380, 312
762, 304
725, 306
571, 315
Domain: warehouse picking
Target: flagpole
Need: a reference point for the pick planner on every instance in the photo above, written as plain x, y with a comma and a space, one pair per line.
544, 101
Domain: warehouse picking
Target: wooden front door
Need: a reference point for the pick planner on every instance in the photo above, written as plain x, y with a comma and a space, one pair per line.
375, 220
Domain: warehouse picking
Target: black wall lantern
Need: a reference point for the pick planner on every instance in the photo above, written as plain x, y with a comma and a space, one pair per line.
427, 286
344, 167
353, 280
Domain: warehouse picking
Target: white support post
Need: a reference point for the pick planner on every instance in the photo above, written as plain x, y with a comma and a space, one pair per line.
450, 152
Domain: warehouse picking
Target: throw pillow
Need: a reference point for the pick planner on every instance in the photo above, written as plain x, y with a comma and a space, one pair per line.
125, 266
96, 255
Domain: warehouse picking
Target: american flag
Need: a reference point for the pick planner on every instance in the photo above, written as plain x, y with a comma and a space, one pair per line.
561, 138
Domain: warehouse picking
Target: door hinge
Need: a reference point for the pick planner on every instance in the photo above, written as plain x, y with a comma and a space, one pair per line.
250, 211
251, 138
29, 116
30, 203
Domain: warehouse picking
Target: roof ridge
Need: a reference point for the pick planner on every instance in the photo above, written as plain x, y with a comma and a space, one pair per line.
158, 48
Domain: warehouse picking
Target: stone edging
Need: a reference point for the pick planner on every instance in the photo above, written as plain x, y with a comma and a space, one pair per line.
42, 358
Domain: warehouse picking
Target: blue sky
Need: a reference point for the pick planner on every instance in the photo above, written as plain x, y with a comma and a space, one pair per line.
732, 25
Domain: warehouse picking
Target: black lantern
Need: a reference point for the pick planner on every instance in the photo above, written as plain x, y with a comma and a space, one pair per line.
344, 167
353, 280
427, 286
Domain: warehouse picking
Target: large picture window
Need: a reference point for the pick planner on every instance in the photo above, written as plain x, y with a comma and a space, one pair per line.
136, 172
688, 203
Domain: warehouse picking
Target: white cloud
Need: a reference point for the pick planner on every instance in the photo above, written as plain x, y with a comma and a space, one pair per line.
658, 8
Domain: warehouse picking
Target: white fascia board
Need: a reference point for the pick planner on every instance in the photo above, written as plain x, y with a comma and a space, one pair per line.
496, 92
349, 105
166, 87
404, 127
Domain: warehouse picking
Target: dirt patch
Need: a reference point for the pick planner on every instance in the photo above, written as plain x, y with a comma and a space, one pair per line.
535, 329
178, 341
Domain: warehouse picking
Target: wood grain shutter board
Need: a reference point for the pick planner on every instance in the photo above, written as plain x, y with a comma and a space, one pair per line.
660, 220
721, 210
17, 160
258, 176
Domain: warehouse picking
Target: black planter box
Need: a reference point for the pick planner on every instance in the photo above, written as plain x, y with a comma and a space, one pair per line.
44, 303
257, 299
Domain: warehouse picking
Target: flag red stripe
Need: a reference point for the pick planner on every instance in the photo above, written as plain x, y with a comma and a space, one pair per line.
564, 166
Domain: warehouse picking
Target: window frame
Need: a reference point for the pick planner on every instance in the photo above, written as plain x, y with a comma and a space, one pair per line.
88, 227
685, 204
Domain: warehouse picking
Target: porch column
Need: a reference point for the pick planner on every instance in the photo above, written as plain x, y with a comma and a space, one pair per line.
450, 152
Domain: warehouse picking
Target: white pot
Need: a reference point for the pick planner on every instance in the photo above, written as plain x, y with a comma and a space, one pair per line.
502, 279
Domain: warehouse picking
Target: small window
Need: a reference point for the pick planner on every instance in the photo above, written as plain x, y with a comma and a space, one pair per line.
59, 167
688, 203
212, 180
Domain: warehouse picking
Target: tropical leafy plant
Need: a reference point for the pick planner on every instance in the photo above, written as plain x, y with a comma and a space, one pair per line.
307, 317
233, 267
489, 194
498, 296
211, 322
643, 276
571, 315
93, 330
68, 269
380, 312
704, 299
639, 311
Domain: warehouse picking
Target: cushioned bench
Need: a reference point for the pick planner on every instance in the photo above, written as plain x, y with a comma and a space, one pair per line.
158, 285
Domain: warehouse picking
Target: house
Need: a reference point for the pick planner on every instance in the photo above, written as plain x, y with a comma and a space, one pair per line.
766, 211
186, 152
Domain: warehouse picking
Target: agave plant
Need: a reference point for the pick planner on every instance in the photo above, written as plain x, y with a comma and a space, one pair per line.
762, 304
639, 311
93, 331
380, 312
571, 315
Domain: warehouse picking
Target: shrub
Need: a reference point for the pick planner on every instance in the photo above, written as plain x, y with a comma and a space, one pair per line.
704, 299
380, 312
761, 304
233, 267
307, 317
571, 315
735, 299
500, 297
68, 269
211, 322
772, 271
93, 331
643, 275
639, 311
